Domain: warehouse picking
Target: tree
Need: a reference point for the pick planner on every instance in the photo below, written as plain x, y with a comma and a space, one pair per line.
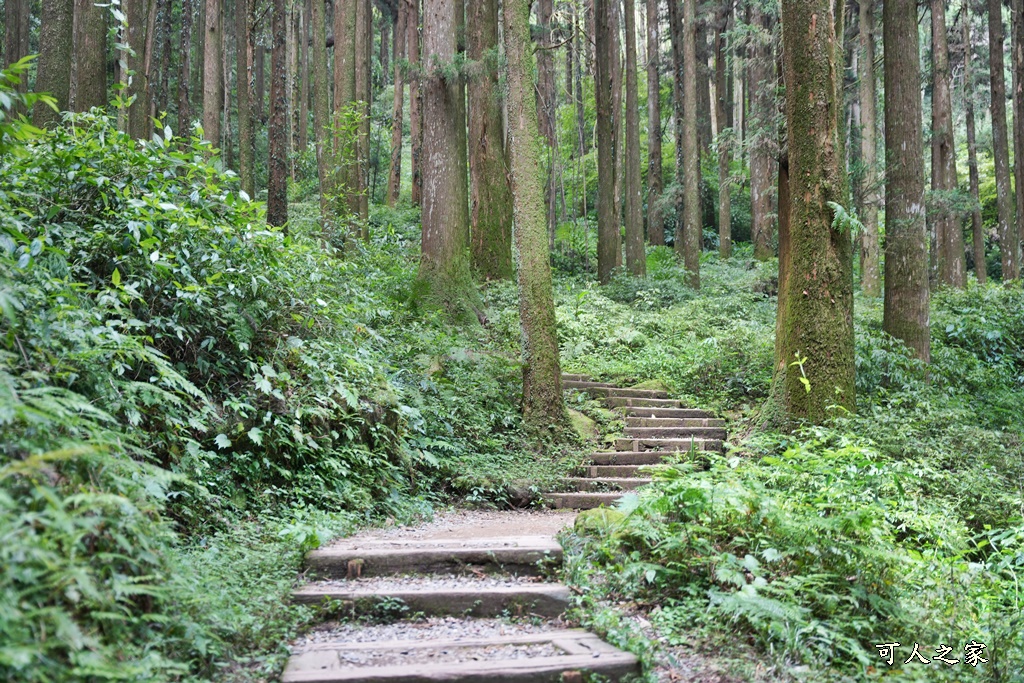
444, 263
870, 274
185, 70
1017, 62
815, 356
277, 130
415, 102
948, 234
361, 172
636, 256
689, 235
90, 87
246, 133
490, 197
760, 135
321, 106
397, 108
344, 97
977, 227
55, 48
724, 148
213, 72
1009, 243
608, 235
16, 34
543, 406
655, 216
905, 314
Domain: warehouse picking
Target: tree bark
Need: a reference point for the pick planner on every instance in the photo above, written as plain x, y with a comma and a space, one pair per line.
490, 194
546, 105
185, 70
277, 131
243, 56
724, 143
949, 236
415, 103
16, 37
53, 75
655, 215
977, 226
321, 105
1009, 243
345, 153
692, 229
1018, 117
815, 359
90, 58
543, 406
760, 134
608, 234
364, 57
905, 313
675, 20
397, 106
260, 80
636, 256
871, 280
213, 72
444, 265
581, 118
304, 74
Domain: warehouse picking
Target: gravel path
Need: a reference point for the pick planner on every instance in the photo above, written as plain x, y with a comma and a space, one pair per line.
435, 628
452, 525
385, 584
424, 655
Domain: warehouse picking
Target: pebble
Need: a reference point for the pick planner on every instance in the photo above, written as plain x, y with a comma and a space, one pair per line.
434, 628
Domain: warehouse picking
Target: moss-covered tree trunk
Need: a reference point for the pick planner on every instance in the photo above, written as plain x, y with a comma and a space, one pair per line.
415, 102
1009, 244
691, 238
977, 225
490, 195
213, 71
906, 239
608, 235
949, 235
815, 325
53, 76
444, 263
277, 129
321, 104
870, 265
397, 106
346, 201
724, 147
90, 86
636, 256
1017, 66
360, 188
246, 132
543, 406
655, 215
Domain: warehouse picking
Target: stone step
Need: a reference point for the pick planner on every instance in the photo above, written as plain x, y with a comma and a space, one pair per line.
423, 661
674, 432
607, 484
602, 390
674, 422
628, 402
519, 555
523, 599
656, 412
684, 444
598, 471
582, 501
585, 384
620, 458
569, 377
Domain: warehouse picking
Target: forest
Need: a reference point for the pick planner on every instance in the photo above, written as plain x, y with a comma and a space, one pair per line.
277, 272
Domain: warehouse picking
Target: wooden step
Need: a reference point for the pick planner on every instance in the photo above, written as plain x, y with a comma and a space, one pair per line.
617, 458
674, 432
576, 651
684, 444
674, 422
582, 501
607, 484
569, 377
602, 390
655, 411
520, 555
539, 599
628, 402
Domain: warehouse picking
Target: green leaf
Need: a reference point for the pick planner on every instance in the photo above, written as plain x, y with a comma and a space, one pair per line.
116, 277
222, 441
256, 435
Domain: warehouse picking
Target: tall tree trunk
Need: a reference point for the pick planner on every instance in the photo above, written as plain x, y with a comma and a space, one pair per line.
259, 80
608, 235
546, 105
618, 151
213, 72
90, 55
490, 198
384, 56
16, 36
321, 105
415, 103
292, 39
344, 96
53, 75
704, 75
692, 228
655, 215
397, 106
675, 21
1018, 116
906, 240
636, 256
977, 226
760, 134
724, 143
364, 55
444, 265
243, 55
870, 275
277, 130
815, 363
1009, 243
543, 406
185, 72
950, 240
304, 71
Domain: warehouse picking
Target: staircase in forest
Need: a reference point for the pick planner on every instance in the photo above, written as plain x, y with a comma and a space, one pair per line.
656, 427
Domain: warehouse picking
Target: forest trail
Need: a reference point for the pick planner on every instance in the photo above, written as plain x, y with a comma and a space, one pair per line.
431, 600
657, 428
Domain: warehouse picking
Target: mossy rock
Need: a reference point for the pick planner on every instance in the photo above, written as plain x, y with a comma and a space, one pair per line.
598, 521
653, 384
583, 425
